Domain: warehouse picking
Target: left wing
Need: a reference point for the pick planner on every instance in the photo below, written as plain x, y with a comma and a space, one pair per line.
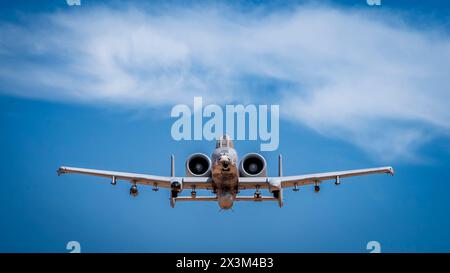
143, 179
307, 179
301, 180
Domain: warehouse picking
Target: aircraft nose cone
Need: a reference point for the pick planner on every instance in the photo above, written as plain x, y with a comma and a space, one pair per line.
224, 161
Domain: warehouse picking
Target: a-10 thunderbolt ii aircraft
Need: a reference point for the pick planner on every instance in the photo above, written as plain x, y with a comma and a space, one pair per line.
225, 177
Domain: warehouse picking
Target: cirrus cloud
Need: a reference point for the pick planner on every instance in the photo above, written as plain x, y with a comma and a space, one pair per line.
346, 74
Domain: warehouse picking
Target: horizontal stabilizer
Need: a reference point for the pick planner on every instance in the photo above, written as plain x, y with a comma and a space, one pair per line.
213, 198
252, 198
198, 198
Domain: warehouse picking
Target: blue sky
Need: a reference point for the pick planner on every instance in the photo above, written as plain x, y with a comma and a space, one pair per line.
93, 86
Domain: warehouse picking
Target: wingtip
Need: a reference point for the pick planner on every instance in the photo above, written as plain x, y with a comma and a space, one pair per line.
60, 171
391, 171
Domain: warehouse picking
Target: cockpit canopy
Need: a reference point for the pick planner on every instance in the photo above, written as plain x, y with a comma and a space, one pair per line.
224, 142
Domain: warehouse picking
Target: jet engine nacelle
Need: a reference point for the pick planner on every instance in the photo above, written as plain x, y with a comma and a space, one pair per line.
253, 165
198, 165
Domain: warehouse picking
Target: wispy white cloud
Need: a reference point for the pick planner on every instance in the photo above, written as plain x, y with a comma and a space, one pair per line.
346, 74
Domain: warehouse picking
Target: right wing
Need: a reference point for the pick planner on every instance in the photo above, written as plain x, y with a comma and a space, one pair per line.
143, 179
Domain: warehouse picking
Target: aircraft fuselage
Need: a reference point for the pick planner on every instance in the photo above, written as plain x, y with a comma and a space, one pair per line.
225, 174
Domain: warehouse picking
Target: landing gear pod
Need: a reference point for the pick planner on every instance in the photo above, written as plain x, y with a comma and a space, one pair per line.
176, 186
276, 190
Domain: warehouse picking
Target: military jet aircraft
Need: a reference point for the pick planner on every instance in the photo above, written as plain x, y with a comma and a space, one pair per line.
225, 177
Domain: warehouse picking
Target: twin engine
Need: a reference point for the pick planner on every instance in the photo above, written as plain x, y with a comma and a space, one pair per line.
251, 165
